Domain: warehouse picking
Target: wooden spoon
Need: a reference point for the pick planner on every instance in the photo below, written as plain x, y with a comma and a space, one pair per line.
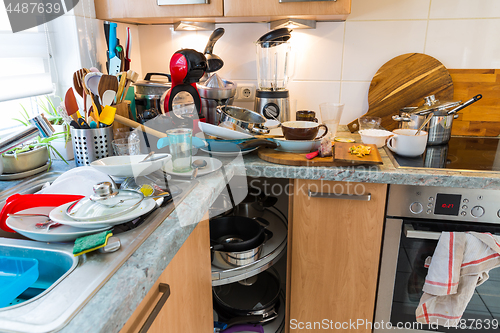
107, 82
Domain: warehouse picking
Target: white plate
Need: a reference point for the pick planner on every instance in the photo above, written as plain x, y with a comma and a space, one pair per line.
213, 164
20, 175
64, 233
223, 133
228, 153
58, 214
129, 166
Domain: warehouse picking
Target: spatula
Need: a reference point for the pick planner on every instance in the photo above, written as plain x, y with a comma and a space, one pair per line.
71, 104
107, 82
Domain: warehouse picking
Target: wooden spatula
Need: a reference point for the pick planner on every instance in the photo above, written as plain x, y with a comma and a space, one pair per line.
71, 104
107, 82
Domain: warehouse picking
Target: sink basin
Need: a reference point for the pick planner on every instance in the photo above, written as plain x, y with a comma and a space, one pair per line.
53, 266
66, 283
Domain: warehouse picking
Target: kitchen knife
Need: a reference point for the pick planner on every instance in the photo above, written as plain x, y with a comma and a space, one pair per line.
106, 36
128, 48
114, 61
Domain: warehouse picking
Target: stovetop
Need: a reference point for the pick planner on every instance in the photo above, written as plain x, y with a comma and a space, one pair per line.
461, 153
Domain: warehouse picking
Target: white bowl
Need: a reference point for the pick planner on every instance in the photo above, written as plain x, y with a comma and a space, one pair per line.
130, 166
375, 136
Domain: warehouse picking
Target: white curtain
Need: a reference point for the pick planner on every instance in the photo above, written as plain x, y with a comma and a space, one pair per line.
24, 61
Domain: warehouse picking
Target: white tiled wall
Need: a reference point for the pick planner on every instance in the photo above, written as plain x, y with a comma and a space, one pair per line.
337, 60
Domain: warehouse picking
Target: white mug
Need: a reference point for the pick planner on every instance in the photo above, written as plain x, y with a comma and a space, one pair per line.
404, 142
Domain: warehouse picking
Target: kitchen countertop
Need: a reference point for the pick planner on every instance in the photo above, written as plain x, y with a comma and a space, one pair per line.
113, 304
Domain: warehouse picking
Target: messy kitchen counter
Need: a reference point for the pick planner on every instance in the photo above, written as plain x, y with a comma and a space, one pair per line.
115, 301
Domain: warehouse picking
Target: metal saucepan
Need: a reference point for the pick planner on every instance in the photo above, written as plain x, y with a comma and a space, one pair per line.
281, 144
439, 127
244, 119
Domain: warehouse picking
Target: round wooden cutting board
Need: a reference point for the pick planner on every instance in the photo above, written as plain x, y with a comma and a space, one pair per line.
405, 81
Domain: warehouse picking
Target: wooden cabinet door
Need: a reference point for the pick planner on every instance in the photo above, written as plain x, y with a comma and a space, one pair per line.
148, 11
336, 9
189, 306
334, 252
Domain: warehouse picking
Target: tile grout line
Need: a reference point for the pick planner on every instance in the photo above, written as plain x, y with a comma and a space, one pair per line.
342, 62
427, 26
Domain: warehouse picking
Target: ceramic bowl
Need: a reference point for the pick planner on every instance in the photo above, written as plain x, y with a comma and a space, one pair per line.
375, 136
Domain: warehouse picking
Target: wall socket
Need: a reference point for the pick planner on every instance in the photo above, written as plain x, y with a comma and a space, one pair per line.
245, 92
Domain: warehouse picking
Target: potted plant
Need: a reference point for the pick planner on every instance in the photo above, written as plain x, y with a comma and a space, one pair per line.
31, 156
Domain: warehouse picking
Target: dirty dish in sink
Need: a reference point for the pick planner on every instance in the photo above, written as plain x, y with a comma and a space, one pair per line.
64, 233
130, 166
58, 215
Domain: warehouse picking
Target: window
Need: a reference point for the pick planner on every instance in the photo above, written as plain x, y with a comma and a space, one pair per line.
24, 59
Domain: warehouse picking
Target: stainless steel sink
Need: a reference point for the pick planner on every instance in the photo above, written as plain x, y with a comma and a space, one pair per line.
69, 282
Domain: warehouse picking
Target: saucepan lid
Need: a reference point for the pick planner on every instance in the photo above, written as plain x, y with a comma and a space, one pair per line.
106, 202
435, 106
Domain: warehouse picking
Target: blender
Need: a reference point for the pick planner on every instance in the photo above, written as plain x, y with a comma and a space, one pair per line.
273, 57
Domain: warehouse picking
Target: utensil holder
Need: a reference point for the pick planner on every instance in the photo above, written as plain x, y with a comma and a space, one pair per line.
91, 144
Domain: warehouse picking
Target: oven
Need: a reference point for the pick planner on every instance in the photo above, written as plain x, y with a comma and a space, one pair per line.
416, 216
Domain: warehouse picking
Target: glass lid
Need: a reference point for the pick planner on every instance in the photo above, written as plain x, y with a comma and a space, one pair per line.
106, 203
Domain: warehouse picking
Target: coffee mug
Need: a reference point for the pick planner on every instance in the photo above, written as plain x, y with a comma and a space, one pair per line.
302, 130
306, 115
404, 142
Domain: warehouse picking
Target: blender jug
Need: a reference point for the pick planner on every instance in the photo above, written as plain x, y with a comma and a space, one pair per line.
273, 73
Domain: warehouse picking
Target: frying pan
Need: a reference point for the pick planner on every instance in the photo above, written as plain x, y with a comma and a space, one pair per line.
292, 146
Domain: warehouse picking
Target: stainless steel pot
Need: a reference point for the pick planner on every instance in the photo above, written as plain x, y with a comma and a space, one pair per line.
244, 119
439, 127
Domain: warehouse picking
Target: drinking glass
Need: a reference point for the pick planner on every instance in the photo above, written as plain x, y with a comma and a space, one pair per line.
180, 148
129, 145
330, 116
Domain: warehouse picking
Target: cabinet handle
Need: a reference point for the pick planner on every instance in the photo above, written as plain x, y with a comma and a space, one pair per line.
362, 197
165, 289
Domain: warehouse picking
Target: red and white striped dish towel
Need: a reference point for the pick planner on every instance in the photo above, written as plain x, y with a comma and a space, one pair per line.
461, 261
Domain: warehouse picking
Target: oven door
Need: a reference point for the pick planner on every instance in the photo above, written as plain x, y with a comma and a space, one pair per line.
407, 243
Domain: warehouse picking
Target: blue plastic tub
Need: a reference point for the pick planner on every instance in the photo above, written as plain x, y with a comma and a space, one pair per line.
16, 275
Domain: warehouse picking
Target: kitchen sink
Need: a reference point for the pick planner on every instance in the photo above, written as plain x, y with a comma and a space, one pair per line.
66, 283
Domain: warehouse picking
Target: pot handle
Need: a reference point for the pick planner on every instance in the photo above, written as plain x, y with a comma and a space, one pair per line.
260, 130
258, 143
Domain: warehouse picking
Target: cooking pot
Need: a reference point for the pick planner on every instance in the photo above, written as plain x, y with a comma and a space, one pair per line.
256, 296
244, 119
148, 94
439, 126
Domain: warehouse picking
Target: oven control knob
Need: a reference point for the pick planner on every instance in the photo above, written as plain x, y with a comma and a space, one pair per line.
477, 211
416, 208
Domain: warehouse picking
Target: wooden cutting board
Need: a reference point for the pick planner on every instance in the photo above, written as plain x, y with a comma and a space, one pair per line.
483, 117
296, 159
343, 155
405, 81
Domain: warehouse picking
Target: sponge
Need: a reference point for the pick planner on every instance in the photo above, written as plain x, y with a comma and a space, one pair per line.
92, 242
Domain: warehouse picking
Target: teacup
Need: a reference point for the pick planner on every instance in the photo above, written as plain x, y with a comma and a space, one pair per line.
306, 115
302, 130
404, 142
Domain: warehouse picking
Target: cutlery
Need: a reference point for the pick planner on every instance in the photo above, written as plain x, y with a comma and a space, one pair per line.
198, 164
114, 61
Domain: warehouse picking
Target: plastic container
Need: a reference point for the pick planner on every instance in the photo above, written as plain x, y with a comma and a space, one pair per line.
16, 275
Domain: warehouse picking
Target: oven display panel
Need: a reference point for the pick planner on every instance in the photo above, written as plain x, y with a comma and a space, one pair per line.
447, 204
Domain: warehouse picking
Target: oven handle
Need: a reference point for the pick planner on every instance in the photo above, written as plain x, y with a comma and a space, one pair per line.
365, 197
410, 232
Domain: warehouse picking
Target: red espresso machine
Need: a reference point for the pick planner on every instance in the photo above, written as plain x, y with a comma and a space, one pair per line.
182, 101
